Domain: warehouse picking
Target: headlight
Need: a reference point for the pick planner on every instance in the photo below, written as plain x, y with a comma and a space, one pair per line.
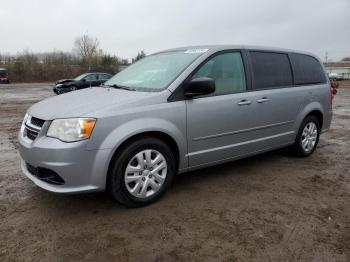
59, 85
71, 129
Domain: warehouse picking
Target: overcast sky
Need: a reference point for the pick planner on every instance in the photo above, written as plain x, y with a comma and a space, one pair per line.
124, 27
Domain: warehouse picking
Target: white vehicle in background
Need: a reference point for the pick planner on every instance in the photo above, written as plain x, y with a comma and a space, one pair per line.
334, 76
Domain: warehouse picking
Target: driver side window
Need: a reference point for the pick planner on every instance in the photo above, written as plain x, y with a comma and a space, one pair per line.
227, 70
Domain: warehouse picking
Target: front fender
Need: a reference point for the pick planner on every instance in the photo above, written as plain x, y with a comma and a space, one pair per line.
138, 126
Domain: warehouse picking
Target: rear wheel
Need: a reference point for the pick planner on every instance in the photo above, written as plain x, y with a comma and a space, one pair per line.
308, 137
142, 172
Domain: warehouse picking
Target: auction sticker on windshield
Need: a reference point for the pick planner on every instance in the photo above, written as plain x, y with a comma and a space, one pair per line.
196, 51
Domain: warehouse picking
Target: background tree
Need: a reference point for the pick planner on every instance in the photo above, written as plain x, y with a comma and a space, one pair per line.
139, 56
27, 66
87, 48
346, 58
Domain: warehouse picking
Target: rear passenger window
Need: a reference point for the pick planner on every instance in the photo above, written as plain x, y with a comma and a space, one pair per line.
271, 70
307, 70
103, 77
91, 77
227, 71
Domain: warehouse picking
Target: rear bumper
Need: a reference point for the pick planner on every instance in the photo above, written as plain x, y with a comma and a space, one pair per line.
327, 120
82, 170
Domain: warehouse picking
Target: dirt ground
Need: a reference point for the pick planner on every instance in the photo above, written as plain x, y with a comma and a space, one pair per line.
271, 207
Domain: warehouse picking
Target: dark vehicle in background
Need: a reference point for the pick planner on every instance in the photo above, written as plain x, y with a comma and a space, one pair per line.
4, 78
80, 82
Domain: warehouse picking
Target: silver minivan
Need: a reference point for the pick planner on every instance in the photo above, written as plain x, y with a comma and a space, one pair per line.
175, 111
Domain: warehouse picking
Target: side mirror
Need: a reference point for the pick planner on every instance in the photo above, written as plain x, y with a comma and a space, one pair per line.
84, 80
200, 86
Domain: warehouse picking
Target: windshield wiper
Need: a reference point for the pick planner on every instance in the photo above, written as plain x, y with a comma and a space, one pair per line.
121, 87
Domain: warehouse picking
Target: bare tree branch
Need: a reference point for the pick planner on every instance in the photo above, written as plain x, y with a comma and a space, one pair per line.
86, 47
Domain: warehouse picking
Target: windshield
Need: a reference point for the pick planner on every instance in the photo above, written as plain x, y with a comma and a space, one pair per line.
80, 77
156, 72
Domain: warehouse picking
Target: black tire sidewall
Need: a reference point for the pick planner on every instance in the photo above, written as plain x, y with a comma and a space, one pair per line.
117, 187
298, 143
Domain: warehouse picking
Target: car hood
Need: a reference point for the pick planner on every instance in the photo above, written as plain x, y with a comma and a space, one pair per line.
63, 81
87, 102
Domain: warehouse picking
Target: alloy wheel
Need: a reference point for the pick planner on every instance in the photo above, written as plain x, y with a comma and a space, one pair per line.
309, 137
145, 173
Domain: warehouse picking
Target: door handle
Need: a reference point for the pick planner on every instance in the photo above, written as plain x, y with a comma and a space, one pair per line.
263, 100
244, 102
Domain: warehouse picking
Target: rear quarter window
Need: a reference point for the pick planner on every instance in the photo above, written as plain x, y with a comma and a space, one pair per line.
270, 70
307, 70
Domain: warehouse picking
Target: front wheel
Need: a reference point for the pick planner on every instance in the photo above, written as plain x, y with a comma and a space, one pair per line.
308, 137
142, 172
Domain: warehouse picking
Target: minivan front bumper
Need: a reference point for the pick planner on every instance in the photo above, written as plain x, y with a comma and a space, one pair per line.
81, 170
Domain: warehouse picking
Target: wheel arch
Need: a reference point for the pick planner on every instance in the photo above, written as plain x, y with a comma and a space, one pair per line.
318, 114
314, 109
166, 138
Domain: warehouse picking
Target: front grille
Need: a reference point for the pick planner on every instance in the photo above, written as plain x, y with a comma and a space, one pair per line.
37, 122
33, 127
31, 134
45, 174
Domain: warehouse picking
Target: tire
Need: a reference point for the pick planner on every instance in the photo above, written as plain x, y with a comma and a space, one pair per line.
310, 139
154, 178
73, 88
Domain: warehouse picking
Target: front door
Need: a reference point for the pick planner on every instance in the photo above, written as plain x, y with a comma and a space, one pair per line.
220, 126
91, 80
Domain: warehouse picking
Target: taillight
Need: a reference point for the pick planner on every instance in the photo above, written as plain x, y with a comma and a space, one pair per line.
331, 94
